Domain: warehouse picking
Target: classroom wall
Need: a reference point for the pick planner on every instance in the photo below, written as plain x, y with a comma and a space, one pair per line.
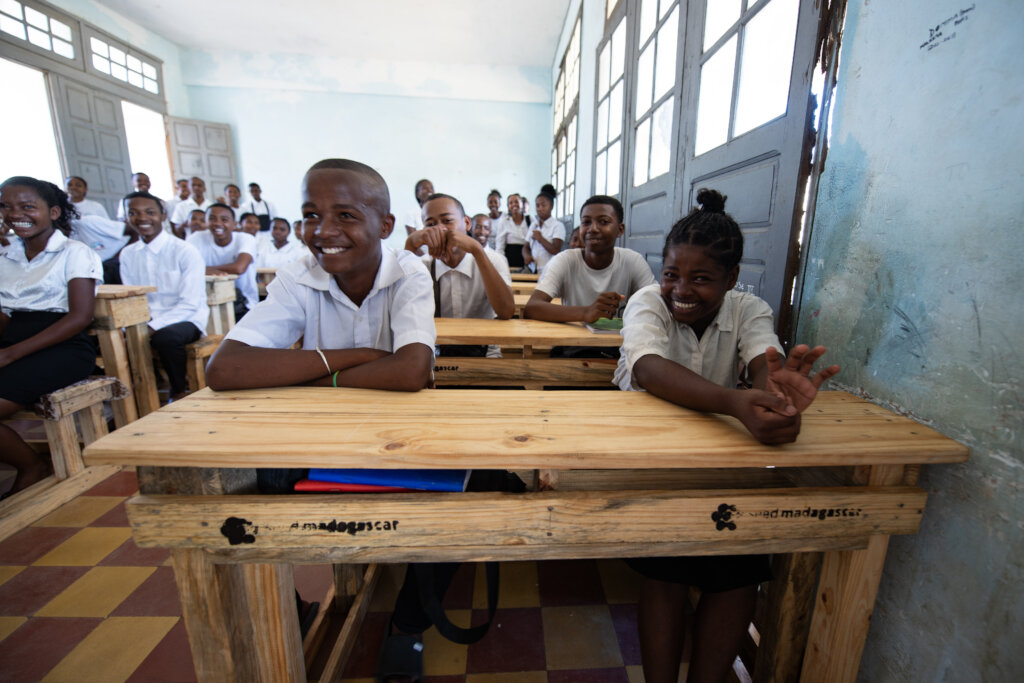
467, 129
914, 283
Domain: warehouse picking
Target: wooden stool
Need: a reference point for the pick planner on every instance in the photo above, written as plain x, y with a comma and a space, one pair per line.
121, 324
71, 477
220, 296
198, 352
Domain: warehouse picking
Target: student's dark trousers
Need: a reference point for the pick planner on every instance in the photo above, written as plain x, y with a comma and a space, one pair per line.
169, 343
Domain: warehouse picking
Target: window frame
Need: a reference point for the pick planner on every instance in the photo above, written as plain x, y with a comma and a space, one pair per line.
569, 123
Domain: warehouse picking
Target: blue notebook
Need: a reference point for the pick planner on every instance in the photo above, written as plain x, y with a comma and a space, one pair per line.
424, 480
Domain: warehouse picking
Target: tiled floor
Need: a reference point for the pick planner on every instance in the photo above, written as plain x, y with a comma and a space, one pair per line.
79, 601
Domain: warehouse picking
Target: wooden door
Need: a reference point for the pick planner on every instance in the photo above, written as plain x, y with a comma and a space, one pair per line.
204, 149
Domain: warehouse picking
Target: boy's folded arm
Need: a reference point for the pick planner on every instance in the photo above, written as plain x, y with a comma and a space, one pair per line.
236, 365
407, 369
499, 294
539, 307
236, 267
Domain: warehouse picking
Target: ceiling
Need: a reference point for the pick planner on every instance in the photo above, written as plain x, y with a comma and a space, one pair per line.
492, 32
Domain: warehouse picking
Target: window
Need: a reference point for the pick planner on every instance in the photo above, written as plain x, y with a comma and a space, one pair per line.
122, 63
655, 88
37, 28
563, 152
611, 59
30, 146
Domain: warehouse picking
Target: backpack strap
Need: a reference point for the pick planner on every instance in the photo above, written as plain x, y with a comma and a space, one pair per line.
431, 603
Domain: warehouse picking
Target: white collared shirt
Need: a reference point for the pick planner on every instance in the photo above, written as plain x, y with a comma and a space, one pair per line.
568, 276
741, 331
552, 229
42, 283
507, 232
462, 290
102, 235
90, 207
215, 255
269, 256
178, 272
184, 209
260, 208
305, 301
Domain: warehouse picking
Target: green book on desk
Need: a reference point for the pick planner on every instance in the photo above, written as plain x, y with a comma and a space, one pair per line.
605, 325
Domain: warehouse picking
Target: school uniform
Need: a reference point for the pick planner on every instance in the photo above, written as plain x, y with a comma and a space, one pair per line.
89, 207
170, 205
214, 255
34, 294
178, 308
168, 209
184, 210
509, 238
269, 256
740, 332
102, 235
551, 229
459, 292
264, 210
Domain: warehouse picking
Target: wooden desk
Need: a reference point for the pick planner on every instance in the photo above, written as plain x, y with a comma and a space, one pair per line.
525, 277
220, 297
528, 371
525, 288
706, 487
522, 299
264, 276
126, 354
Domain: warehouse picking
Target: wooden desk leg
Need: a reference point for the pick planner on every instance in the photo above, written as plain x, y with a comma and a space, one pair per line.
143, 378
845, 600
241, 619
115, 364
785, 612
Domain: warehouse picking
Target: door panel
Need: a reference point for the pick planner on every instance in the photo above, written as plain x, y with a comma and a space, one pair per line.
91, 126
204, 149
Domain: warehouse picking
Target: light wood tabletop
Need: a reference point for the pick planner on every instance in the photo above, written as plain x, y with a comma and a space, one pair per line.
525, 277
520, 332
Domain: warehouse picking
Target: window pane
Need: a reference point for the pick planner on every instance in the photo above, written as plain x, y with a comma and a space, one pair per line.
602, 69
571, 135
643, 144
600, 185
135, 79
60, 29
570, 199
644, 80
648, 19
615, 113
554, 163
614, 160
118, 72
148, 70
117, 56
661, 138
666, 5
665, 76
570, 168
98, 46
766, 64
15, 28
134, 64
618, 50
37, 19
719, 15
561, 149
63, 49
100, 64
602, 124
11, 7
33, 151
715, 98
151, 86
609, 7
147, 143
39, 38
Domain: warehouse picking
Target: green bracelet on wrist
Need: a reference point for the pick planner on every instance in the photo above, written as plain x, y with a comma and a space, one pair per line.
334, 379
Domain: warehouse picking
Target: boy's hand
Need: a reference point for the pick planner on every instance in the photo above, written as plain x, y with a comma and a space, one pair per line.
433, 238
605, 306
769, 418
537, 235
460, 240
793, 379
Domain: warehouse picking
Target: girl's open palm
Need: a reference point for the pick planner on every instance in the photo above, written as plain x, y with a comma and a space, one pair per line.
793, 378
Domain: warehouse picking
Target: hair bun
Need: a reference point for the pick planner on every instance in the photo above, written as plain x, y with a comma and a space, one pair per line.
711, 201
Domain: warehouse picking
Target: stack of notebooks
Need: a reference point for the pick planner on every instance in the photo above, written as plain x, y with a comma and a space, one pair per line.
383, 481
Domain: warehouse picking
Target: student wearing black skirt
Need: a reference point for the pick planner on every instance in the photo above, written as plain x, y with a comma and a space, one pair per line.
47, 290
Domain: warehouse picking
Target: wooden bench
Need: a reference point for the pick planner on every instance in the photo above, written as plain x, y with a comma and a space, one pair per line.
525, 288
220, 297
121, 324
198, 352
525, 277
59, 411
264, 276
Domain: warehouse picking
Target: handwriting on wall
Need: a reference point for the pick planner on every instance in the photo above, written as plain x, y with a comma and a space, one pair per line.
945, 31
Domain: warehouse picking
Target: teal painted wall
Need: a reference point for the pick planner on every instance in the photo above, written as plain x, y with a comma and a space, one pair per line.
914, 280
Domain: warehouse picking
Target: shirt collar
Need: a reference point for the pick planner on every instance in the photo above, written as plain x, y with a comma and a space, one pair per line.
157, 244
465, 266
388, 273
16, 251
724, 319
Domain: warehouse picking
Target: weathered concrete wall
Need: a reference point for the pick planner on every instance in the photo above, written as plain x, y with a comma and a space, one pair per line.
914, 283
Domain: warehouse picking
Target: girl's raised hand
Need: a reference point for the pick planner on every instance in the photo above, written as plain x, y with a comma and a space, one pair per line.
793, 379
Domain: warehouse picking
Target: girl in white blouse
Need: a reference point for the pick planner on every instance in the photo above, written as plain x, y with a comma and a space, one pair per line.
47, 286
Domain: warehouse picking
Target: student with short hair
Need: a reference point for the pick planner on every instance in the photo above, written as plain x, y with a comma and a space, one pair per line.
414, 217
250, 223
259, 206
232, 195
546, 237
510, 232
196, 200
575, 241
77, 189
178, 308
140, 183
281, 249
481, 231
181, 193
228, 252
468, 281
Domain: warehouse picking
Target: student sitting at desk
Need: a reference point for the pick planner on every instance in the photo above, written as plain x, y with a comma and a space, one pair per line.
178, 307
592, 282
685, 341
476, 287
281, 249
227, 252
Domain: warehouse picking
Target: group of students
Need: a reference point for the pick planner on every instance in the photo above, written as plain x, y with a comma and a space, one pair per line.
365, 316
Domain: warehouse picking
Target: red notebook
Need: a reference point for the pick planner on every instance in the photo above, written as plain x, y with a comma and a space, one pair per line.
341, 487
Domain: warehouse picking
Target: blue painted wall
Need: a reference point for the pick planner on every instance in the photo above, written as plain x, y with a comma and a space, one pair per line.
914, 283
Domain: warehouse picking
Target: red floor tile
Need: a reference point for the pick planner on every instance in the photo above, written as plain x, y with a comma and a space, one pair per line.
569, 582
24, 594
39, 645
617, 675
131, 555
169, 662
624, 620
124, 483
156, 597
116, 517
31, 543
515, 642
362, 663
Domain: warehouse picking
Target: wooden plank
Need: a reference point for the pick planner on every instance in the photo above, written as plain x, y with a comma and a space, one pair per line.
42, 498
350, 631
115, 364
143, 379
276, 643
318, 630
785, 616
92, 424
644, 479
525, 288
107, 292
725, 520
79, 395
197, 354
199, 481
220, 289
518, 332
501, 429
113, 314
525, 277
65, 452
522, 372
